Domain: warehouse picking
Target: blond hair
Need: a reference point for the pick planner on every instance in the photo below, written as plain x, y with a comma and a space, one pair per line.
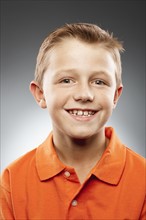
88, 33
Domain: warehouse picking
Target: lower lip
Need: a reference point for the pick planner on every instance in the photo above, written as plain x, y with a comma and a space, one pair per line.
82, 118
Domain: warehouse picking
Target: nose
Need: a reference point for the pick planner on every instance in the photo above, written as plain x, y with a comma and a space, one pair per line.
84, 94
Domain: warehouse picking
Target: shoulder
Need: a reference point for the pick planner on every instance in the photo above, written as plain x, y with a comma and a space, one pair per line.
135, 164
132, 156
24, 160
18, 168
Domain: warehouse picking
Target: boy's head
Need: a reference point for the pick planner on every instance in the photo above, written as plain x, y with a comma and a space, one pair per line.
78, 79
88, 33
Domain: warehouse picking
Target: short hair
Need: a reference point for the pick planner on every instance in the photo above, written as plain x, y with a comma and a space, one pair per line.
85, 32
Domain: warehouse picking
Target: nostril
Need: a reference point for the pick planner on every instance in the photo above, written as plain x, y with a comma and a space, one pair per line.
84, 97
84, 93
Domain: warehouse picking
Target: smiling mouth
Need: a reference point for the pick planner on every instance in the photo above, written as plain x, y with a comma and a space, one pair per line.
83, 113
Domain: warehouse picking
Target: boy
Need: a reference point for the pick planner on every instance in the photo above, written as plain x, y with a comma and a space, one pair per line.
82, 170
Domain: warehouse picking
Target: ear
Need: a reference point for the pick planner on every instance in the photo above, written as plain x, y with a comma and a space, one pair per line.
38, 94
118, 93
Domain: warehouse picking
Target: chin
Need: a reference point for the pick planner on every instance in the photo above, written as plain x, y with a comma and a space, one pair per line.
82, 135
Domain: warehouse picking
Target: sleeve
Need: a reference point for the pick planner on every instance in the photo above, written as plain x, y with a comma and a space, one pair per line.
6, 208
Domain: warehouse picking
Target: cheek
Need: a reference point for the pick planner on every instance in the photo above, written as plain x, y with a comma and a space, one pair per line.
56, 97
107, 107
54, 102
107, 99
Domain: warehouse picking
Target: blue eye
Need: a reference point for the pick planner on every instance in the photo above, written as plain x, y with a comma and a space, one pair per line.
66, 81
99, 82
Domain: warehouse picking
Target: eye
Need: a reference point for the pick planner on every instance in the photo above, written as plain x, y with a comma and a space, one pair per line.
99, 82
66, 81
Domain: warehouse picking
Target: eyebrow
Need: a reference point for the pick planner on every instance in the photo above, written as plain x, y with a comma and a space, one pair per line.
59, 72
75, 71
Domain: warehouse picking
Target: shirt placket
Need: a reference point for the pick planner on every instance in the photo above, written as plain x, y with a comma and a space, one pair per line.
73, 189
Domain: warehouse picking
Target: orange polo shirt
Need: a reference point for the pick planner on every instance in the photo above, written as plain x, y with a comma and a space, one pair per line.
38, 186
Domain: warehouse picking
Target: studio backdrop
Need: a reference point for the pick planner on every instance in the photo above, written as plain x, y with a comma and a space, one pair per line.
24, 25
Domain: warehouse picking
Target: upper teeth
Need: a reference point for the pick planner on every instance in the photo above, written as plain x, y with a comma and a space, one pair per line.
81, 112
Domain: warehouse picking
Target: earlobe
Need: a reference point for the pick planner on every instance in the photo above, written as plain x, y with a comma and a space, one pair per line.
42, 103
38, 94
118, 93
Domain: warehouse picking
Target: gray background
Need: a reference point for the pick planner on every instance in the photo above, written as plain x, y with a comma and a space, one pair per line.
24, 25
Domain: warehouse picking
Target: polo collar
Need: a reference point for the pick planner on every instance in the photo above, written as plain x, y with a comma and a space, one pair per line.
109, 169
112, 163
47, 161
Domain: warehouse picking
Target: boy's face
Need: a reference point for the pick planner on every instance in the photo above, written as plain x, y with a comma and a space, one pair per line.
79, 88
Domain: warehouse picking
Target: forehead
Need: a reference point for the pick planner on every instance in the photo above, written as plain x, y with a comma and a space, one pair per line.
75, 54
72, 48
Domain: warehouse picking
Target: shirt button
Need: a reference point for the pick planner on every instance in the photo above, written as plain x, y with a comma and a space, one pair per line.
74, 203
67, 174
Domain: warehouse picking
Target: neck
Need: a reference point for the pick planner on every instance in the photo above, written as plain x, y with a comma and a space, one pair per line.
79, 152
